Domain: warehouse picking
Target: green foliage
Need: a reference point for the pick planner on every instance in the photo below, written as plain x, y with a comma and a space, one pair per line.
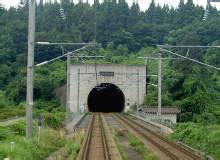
4, 102
31, 149
7, 113
4, 133
201, 137
45, 81
195, 104
18, 128
54, 119
47, 105
117, 141
73, 145
125, 33
50, 141
9, 131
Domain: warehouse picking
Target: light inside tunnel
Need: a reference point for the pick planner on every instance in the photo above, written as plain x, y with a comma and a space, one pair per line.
106, 97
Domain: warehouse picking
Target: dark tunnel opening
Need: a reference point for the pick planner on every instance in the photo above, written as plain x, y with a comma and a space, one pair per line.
106, 97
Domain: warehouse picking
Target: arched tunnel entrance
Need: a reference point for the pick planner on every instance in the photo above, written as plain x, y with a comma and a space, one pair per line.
106, 97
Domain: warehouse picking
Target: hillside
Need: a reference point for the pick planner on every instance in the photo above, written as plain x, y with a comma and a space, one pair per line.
125, 33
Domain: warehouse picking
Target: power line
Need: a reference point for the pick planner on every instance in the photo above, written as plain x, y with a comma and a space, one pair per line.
193, 60
156, 58
69, 53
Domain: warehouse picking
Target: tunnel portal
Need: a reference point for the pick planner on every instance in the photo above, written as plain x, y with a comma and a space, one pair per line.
106, 97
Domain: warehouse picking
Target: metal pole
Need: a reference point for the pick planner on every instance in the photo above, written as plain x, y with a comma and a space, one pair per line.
68, 86
78, 90
137, 90
30, 68
159, 83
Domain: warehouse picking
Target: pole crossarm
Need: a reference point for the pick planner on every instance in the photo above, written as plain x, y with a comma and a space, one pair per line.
155, 58
69, 43
183, 46
193, 60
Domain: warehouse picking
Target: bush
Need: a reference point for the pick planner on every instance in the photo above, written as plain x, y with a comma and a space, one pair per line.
202, 137
5, 132
7, 113
46, 105
2, 155
18, 128
53, 120
3, 100
30, 149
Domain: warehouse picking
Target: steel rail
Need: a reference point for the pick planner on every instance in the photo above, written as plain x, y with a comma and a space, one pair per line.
87, 146
164, 150
171, 143
140, 128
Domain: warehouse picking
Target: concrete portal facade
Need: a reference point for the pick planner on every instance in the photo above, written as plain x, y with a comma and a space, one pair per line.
131, 79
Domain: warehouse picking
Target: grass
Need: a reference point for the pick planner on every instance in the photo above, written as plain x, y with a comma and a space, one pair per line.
71, 148
73, 144
15, 146
137, 145
199, 136
31, 149
117, 141
28, 149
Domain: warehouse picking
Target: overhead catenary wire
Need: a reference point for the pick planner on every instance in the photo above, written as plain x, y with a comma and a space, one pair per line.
66, 54
156, 58
191, 59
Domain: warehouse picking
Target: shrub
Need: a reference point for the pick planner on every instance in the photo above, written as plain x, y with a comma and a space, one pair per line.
4, 102
2, 155
30, 149
46, 105
18, 128
5, 132
53, 120
9, 113
200, 136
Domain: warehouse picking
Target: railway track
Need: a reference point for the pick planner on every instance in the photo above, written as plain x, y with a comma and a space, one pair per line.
95, 143
170, 149
148, 125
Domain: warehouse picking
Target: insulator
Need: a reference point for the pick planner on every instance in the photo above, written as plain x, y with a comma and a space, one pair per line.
205, 15
62, 14
24, 2
204, 18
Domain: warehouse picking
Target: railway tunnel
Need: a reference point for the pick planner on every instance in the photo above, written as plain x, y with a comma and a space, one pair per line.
106, 97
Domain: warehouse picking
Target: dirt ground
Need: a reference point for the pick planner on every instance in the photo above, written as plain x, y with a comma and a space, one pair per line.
128, 150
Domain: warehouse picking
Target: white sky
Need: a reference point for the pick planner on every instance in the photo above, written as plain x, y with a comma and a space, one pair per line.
143, 3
